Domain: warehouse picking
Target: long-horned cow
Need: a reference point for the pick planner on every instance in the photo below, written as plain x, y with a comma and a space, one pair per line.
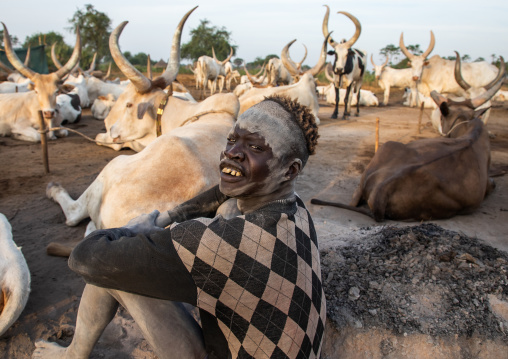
388, 77
127, 186
349, 64
19, 117
431, 178
210, 70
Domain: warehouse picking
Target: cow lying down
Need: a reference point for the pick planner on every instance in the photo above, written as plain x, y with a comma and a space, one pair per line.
14, 278
431, 178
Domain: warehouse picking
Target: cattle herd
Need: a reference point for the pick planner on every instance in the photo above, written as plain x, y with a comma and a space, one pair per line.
173, 133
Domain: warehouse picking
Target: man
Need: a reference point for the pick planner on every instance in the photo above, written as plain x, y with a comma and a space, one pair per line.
255, 276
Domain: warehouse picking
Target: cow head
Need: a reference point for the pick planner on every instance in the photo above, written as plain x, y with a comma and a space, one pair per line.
454, 113
46, 86
340, 49
134, 113
296, 71
378, 69
417, 63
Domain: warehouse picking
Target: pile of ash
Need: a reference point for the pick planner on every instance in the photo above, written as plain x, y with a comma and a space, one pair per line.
419, 279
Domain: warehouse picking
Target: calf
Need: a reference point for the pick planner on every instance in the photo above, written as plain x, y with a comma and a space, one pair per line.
431, 178
388, 77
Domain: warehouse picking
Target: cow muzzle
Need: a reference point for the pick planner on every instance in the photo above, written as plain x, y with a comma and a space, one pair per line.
416, 78
49, 114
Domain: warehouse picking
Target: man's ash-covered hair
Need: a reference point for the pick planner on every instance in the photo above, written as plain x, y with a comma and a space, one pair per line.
302, 116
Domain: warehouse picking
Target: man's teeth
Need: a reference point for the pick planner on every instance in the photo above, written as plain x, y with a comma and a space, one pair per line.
232, 172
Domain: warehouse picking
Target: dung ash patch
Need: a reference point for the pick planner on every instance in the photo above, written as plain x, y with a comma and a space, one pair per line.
420, 279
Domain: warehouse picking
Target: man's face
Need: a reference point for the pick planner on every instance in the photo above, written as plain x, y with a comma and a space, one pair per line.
245, 164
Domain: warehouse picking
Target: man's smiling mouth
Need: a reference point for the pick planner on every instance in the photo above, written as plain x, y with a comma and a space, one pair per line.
232, 171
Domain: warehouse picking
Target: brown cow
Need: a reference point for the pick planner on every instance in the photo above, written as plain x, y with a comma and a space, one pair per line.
431, 178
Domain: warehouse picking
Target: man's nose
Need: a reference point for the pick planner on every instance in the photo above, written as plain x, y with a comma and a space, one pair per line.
235, 153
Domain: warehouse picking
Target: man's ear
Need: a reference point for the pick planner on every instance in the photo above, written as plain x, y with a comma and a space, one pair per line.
294, 169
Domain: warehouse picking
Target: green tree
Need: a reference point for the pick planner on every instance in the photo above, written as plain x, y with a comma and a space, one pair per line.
14, 39
414, 49
95, 28
465, 57
238, 62
391, 51
259, 61
480, 59
203, 38
62, 50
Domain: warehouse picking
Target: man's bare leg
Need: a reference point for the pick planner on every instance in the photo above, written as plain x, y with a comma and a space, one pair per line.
96, 310
167, 326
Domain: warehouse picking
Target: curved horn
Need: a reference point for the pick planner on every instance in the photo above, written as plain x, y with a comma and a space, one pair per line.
325, 27
288, 64
262, 70
251, 78
372, 61
328, 70
299, 64
226, 60
148, 67
403, 48
173, 67
480, 100
27, 57
92, 65
493, 82
109, 72
57, 63
74, 59
322, 60
431, 45
458, 73
13, 58
358, 31
141, 83
386, 61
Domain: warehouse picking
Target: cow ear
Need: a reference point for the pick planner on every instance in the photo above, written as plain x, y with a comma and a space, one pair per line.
331, 52
142, 108
445, 110
66, 88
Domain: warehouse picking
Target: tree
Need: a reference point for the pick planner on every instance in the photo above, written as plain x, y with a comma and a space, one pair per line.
391, 51
465, 57
95, 28
480, 59
203, 38
14, 39
62, 50
238, 62
414, 49
259, 61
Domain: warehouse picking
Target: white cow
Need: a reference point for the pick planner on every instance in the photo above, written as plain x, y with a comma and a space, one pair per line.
14, 277
388, 77
102, 105
277, 73
408, 96
13, 87
210, 70
79, 84
68, 108
242, 88
20, 111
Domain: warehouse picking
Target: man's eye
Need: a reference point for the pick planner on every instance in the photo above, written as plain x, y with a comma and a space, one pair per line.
257, 148
230, 139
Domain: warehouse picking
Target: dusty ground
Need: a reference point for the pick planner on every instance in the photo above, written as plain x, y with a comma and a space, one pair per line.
344, 150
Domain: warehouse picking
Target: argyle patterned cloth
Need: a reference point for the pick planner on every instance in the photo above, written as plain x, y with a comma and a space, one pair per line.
259, 274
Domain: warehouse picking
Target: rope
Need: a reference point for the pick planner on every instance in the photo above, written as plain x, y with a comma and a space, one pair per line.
196, 117
455, 126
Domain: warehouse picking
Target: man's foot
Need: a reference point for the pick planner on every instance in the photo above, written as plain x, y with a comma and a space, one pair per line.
44, 349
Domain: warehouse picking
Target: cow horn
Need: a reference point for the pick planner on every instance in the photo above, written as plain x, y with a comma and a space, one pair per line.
222, 63
288, 64
262, 70
57, 63
27, 57
358, 31
108, 73
13, 58
325, 27
299, 64
148, 67
386, 61
92, 65
141, 83
372, 60
73, 60
322, 60
493, 82
458, 73
405, 51
431, 45
173, 67
327, 73
480, 100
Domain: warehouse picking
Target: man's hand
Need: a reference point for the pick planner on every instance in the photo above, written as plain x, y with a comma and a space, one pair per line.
144, 224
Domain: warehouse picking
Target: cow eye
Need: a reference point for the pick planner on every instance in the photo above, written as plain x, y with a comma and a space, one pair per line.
129, 105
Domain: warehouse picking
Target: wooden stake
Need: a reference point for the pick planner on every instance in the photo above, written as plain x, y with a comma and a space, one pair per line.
377, 134
420, 118
44, 143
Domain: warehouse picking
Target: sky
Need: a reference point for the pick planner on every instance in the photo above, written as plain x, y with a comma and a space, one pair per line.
263, 27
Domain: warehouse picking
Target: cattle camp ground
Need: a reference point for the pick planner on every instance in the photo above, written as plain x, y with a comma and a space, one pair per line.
345, 148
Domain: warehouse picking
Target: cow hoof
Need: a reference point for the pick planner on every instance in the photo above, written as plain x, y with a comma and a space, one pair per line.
334, 116
357, 114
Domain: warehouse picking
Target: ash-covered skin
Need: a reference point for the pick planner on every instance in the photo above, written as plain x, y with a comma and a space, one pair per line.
263, 155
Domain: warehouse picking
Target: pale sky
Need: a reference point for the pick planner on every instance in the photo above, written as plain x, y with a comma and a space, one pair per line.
259, 28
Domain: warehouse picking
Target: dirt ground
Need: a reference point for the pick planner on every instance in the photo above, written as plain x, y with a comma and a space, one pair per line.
344, 150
